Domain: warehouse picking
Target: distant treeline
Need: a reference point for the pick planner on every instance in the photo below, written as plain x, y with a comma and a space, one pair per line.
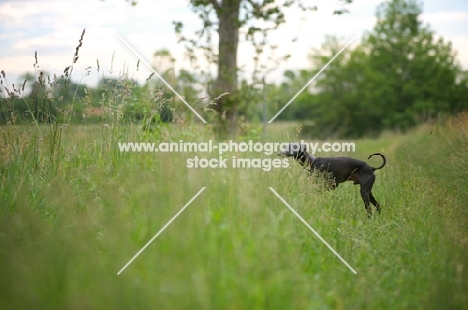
399, 75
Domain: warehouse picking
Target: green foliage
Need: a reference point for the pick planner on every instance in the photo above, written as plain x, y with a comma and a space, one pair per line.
399, 75
58, 100
421, 71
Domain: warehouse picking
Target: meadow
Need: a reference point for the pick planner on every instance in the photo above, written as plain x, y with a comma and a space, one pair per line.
74, 210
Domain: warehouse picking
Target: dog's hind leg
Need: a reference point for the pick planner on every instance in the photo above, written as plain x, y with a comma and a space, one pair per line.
374, 202
366, 187
365, 198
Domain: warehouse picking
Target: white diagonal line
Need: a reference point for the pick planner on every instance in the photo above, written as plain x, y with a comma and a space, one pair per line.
308, 226
160, 231
311, 80
161, 78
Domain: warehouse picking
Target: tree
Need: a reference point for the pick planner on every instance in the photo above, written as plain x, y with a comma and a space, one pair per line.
349, 92
226, 18
399, 75
420, 70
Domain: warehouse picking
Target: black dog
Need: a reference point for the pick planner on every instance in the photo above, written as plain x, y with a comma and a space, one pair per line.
340, 169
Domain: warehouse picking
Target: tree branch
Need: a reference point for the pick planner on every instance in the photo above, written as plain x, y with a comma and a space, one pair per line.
216, 5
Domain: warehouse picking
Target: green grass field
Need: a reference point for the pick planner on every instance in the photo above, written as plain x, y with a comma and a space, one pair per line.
74, 210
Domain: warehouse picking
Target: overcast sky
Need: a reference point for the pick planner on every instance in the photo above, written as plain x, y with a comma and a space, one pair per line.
53, 28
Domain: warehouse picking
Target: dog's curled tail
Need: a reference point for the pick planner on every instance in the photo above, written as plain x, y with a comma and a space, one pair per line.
384, 160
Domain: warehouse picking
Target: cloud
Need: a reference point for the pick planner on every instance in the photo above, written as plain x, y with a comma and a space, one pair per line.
444, 17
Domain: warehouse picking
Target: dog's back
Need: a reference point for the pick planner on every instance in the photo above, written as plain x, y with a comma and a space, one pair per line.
341, 168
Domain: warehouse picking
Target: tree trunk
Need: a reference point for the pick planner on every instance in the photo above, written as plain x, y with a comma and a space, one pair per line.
228, 16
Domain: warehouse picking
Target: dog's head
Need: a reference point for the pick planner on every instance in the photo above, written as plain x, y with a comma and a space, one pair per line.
295, 150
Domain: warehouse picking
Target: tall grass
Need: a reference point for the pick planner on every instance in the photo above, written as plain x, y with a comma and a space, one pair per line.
68, 228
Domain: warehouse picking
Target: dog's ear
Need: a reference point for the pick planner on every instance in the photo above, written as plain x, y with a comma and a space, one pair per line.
297, 148
294, 150
291, 149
